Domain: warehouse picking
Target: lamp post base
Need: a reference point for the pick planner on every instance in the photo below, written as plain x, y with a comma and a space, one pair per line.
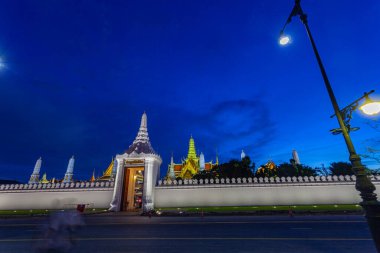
372, 214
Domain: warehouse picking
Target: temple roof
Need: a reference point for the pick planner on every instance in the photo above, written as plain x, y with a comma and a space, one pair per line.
178, 167
108, 171
208, 166
140, 147
141, 144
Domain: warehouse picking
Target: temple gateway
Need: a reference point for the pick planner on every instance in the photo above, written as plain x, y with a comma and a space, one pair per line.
137, 172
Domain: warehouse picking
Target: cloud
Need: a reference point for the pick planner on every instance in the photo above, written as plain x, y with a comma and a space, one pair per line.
55, 124
240, 124
226, 127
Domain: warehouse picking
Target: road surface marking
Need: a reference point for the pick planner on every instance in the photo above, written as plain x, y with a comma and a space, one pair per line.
188, 223
195, 238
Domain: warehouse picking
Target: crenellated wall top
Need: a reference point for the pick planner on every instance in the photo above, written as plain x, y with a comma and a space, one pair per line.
57, 186
265, 180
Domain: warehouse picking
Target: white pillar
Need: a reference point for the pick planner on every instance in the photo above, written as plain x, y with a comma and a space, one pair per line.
151, 175
118, 188
114, 169
148, 185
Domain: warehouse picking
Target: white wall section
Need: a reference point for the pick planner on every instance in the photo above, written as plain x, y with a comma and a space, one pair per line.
55, 196
235, 192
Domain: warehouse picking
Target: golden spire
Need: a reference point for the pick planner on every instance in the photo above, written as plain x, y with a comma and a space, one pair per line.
93, 176
44, 180
192, 154
108, 171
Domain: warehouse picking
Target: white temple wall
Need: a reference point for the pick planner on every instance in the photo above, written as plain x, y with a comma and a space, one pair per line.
306, 193
191, 193
55, 200
55, 196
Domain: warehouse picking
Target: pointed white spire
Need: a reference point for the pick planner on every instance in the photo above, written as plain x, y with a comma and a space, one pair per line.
142, 135
69, 172
70, 166
295, 157
201, 162
141, 144
34, 178
144, 121
37, 166
242, 155
171, 168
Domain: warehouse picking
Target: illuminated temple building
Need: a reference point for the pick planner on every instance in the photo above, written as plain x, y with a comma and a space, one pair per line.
190, 166
269, 165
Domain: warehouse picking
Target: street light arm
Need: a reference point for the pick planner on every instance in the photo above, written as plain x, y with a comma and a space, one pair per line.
297, 10
355, 102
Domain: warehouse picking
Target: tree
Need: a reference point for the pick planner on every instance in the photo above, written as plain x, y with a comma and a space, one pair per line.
373, 154
247, 164
295, 170
232, 169
236, 169
374, 171
373, 144
206, 174
305, 170
341, 168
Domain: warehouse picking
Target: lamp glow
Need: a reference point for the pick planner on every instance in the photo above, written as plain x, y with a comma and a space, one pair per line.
284, 40
371, 108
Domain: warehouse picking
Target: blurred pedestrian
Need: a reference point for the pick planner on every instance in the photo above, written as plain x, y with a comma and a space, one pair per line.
58, 234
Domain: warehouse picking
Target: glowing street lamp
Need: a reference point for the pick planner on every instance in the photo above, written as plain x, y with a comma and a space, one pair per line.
363, 183
370, 107
284, 39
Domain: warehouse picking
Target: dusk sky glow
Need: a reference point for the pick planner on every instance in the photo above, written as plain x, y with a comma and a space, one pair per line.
77, 76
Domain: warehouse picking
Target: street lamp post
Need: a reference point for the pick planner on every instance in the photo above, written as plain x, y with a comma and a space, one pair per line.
363, 183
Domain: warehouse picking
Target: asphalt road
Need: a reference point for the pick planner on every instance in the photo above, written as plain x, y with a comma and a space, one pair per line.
196, 234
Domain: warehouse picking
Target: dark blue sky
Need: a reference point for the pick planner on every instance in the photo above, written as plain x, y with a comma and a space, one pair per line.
80, 74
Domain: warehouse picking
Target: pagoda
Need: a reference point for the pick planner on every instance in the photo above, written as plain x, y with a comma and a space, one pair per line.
191, 166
